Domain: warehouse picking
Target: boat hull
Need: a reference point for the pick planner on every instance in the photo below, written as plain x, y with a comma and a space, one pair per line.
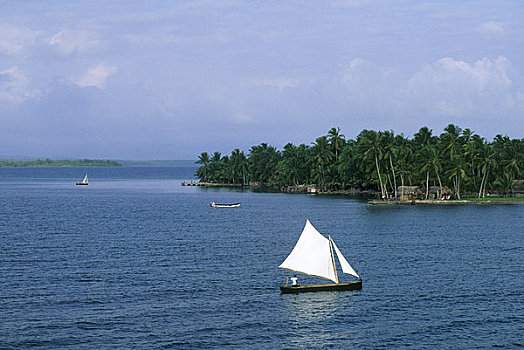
81, 184
354, 285
235, 205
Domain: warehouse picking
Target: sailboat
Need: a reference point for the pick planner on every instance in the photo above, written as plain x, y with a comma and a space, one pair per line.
313, 255
84, 181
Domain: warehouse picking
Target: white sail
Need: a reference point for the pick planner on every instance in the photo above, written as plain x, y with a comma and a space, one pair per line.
85, 179
346, 268
311, 255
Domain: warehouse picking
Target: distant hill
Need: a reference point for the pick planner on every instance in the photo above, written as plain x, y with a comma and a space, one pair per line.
58, 163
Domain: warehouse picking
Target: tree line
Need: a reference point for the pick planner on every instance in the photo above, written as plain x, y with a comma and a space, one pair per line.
58, 163
377, 161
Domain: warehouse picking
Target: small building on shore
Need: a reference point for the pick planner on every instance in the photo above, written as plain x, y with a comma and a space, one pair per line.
408, 193
436, 193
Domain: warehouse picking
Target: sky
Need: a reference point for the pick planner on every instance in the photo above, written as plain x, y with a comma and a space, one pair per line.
172, 79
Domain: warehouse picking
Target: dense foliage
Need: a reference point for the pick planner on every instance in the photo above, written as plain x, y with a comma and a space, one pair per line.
58, 163
377, 161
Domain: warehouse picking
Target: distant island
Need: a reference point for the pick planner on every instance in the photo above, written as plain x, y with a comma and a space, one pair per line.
442, 167
58, 163
157, 163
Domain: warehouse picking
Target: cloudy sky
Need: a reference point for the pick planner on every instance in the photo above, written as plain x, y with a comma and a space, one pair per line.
171, 79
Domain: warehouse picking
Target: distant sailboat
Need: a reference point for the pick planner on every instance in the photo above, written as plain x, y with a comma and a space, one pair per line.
84, 181
313, 255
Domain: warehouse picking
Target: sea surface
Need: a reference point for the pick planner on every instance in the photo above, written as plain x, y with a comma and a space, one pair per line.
136, 261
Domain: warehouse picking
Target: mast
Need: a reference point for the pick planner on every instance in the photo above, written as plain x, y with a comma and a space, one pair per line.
333, 258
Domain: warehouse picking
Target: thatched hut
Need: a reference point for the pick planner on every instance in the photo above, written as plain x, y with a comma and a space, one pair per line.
435, 192
408, 193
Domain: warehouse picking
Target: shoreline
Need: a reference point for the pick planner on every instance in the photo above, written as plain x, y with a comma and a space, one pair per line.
355, 192
498, 200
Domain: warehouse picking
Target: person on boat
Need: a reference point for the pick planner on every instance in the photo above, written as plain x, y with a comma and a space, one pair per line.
294, 280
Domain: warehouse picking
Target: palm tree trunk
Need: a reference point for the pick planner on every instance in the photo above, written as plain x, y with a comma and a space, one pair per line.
439, 184
427, 184
458, 186
379, 178
402, 182
473, 173
322, 179
482, 182
390, 183
485, 183
394, 177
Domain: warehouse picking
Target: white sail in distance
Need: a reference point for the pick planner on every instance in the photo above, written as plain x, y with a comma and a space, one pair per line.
85, 179
311, 255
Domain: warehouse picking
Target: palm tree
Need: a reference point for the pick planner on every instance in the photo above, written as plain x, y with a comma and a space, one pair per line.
431, 161
371, 149
389, 142
472, 148
203, 172
505, 182
405, 158
451, 147
423, 137
263, 163
457, 172
215, 167
226, 173
238, 164
486, 157
293, 165
336, 140
510, 160
321, 156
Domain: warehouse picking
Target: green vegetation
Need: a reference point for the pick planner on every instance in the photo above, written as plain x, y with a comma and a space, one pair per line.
58, 163
378, 161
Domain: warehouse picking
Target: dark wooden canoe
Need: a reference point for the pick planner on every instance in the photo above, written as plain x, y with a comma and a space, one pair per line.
354, 285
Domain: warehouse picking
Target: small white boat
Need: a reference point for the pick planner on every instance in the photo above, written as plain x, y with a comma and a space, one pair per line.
84, 181
314, 255
232, 205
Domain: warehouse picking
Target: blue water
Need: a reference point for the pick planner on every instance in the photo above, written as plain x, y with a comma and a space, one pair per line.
135, 260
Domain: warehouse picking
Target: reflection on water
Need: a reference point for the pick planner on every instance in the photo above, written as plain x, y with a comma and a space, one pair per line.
311, 307
316, 317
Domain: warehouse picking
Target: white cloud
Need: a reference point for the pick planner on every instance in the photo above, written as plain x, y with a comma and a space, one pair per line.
69, 41
443, 89
14, 86
491, 30
450, 87
279, 83
96, 76
13, 40
479, 76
